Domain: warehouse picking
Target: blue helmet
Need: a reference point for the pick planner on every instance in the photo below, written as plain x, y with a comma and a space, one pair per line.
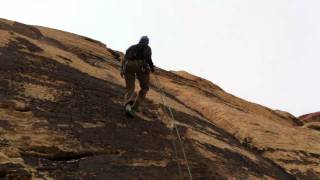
144, 40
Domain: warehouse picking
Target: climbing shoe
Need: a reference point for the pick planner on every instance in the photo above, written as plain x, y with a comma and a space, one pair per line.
129, 111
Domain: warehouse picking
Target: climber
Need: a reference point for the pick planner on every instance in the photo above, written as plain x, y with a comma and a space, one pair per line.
137, 62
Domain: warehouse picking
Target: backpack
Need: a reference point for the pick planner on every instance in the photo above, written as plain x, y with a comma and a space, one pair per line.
135, 52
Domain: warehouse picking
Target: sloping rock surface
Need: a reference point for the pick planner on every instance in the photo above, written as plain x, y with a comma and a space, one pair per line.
61, 117
312, 117
311, 120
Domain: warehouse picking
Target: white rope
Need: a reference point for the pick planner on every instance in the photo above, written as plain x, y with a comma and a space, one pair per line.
162, 95
174, 125
176, 153
173, 142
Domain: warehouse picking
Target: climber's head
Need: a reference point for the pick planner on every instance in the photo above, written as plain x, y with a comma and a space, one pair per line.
144, 40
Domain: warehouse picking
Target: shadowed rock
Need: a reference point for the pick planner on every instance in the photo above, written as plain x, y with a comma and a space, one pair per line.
61, 117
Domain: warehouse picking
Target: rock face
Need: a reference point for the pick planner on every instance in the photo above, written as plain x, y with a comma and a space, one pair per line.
311, 120
312, 117
61, 117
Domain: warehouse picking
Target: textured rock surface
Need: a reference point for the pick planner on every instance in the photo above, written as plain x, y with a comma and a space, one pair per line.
61, 118
312, 117
311, 121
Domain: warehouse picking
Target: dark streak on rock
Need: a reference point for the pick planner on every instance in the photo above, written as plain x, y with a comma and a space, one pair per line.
91, 101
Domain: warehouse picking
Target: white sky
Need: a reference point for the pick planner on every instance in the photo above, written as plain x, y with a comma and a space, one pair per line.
265, 51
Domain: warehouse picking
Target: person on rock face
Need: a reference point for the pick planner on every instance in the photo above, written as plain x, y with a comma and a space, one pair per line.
137, 63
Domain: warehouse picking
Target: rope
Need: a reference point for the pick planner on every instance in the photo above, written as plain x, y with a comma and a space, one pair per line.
173, 142
176, 153
162, 95
174, 125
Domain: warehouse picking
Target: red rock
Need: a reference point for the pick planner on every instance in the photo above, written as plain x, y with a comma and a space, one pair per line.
76, 127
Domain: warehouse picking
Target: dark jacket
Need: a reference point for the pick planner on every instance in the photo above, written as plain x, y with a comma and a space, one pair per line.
140, 51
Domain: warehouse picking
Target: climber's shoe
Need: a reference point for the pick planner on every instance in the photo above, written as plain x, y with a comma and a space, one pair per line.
130, 112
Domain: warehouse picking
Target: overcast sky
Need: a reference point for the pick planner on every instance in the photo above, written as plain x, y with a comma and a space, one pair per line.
265, 51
